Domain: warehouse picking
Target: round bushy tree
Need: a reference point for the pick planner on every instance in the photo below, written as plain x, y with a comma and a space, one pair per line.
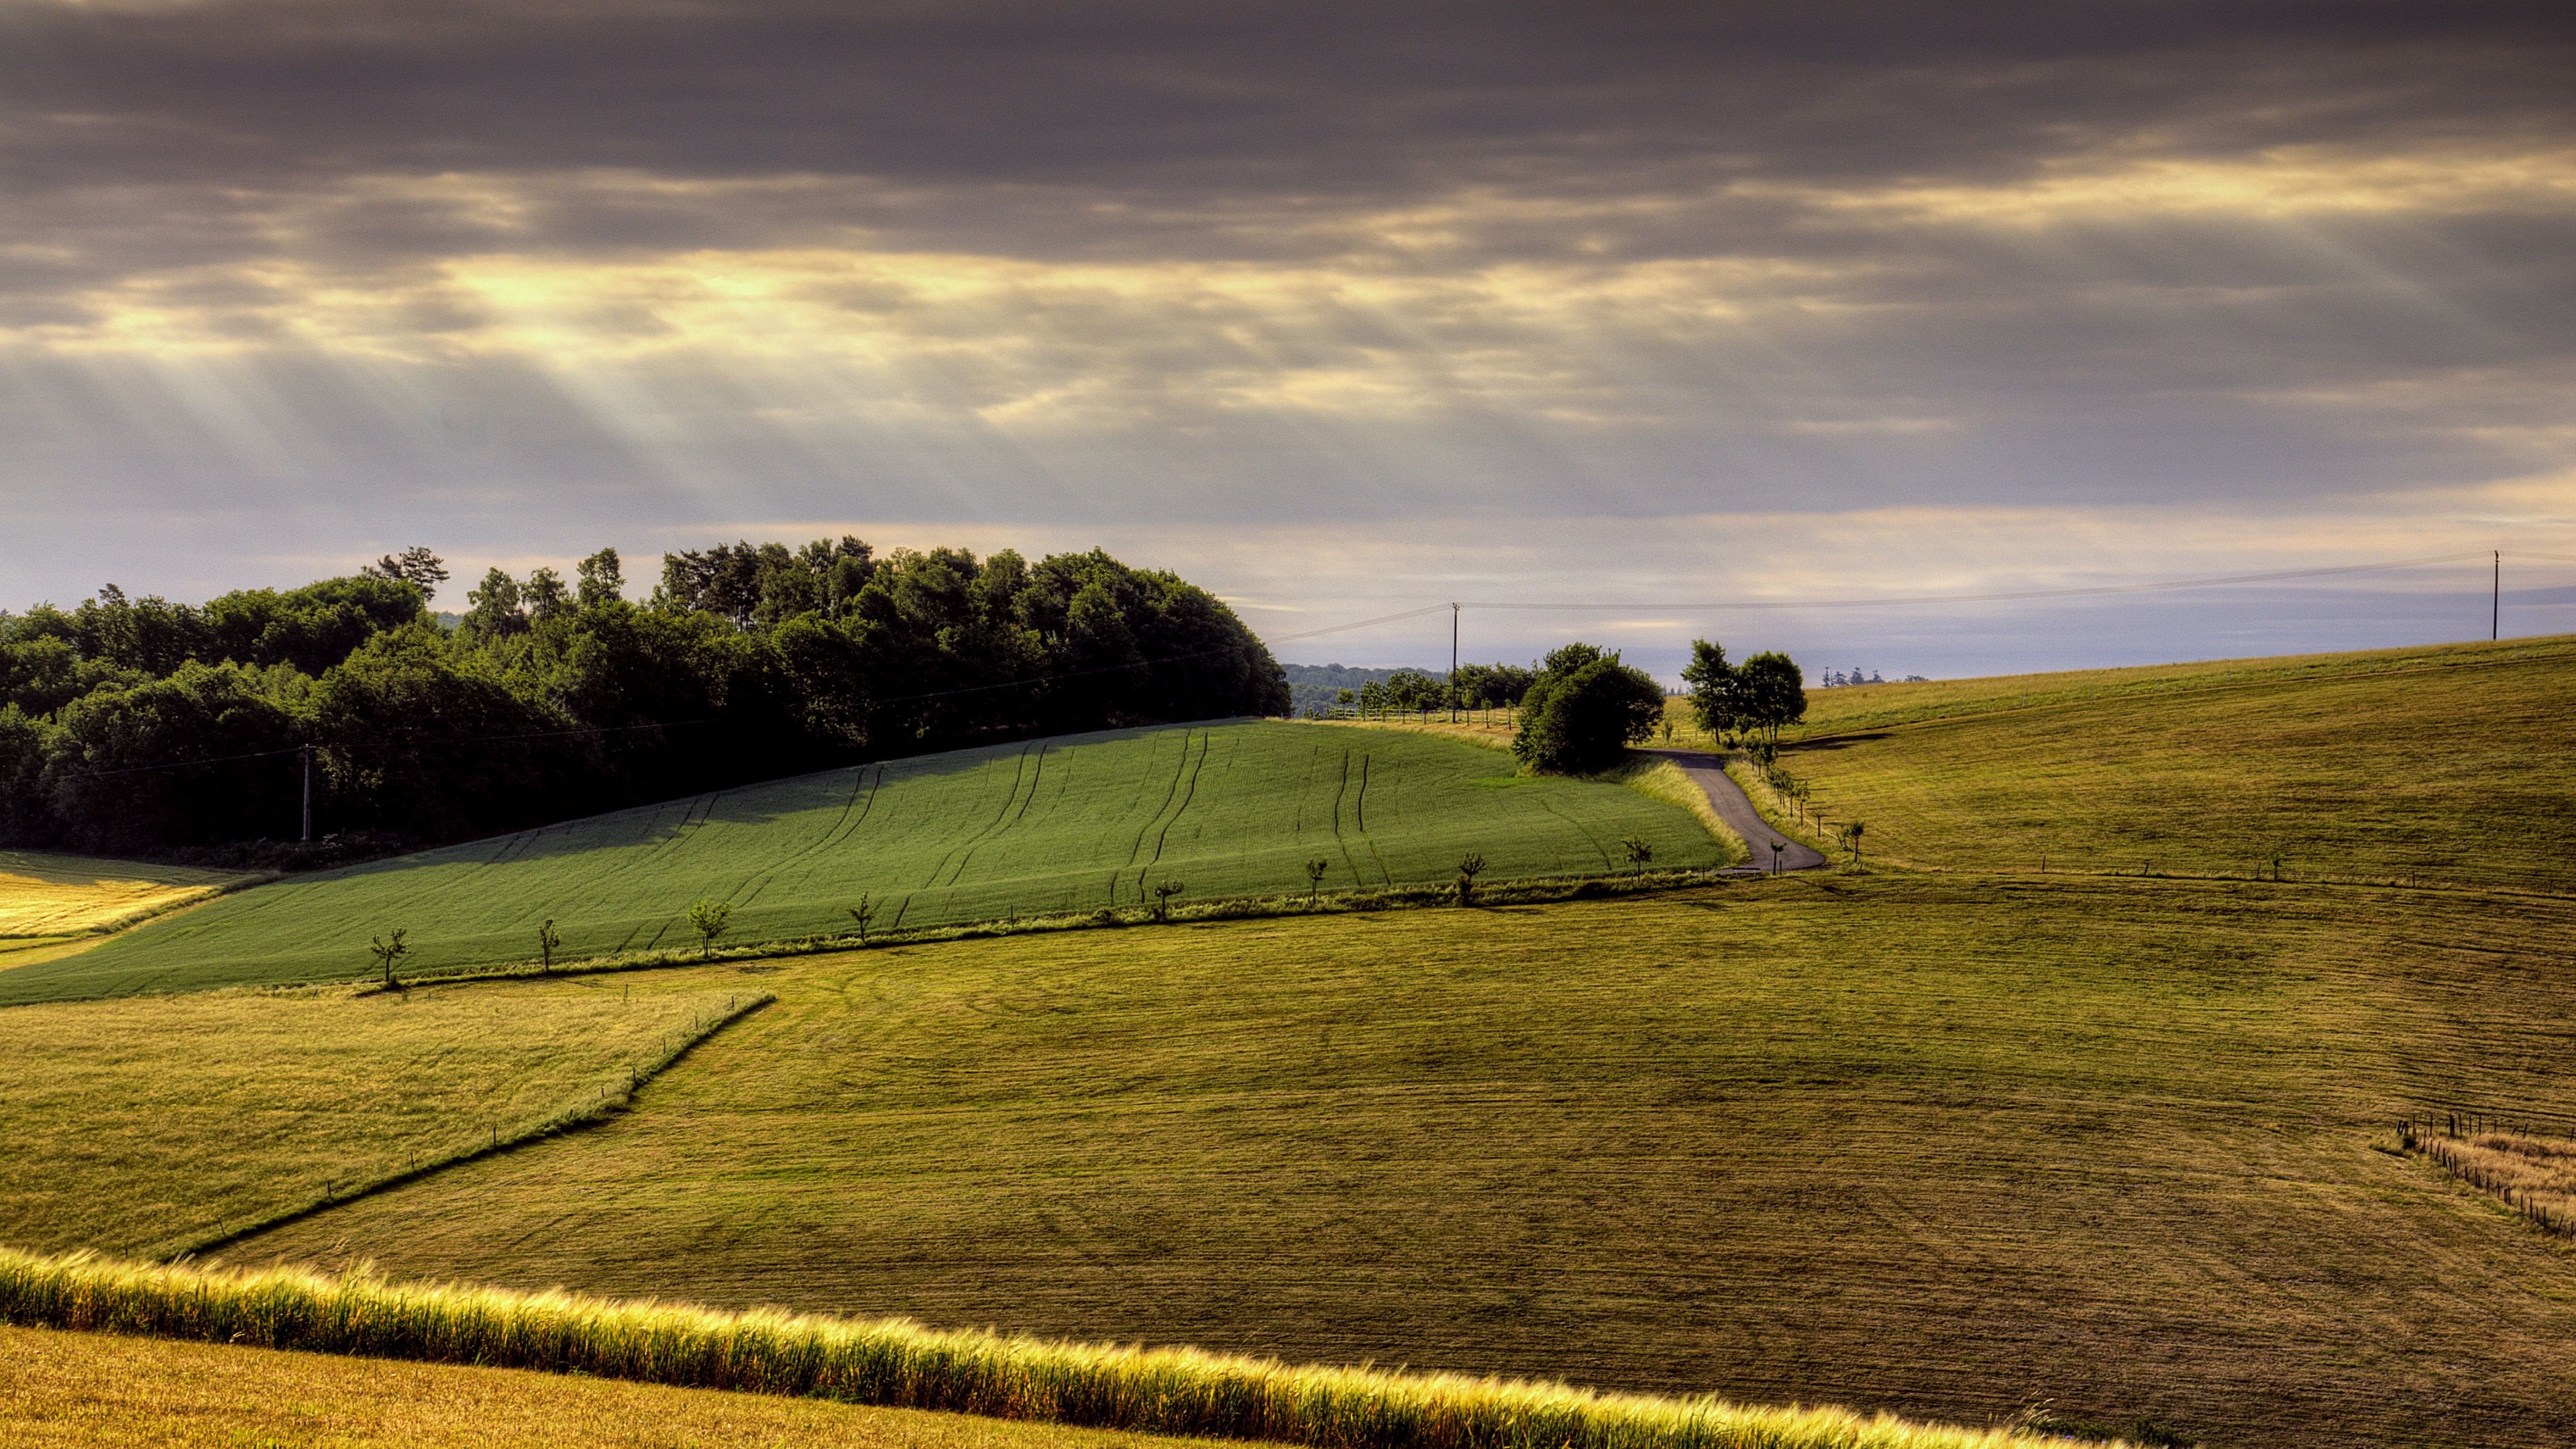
1582, 714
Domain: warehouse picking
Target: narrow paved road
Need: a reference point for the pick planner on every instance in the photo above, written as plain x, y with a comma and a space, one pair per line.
1709, 773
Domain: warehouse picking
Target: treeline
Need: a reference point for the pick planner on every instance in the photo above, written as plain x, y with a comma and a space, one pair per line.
139, 725
1475, 686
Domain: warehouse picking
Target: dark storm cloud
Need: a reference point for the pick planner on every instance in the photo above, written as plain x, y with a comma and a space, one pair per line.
517, 268
1171, 121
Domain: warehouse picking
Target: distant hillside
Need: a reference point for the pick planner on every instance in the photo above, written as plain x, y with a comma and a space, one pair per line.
1312, 686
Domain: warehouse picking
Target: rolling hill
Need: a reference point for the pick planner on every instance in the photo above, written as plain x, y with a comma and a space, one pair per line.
2441, 766
1943, 1146
1970, 1143
1053, 826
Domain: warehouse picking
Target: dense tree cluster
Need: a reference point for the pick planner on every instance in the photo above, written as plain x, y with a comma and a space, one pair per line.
142, 725
1758, 696
1584, 710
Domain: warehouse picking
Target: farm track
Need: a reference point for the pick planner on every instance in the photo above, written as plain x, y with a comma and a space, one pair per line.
1734, 807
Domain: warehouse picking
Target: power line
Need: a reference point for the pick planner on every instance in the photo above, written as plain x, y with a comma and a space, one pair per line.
2084, 591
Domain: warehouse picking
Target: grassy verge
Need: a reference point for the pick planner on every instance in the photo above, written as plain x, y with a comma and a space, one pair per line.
1779, 810
1663, 780
894, 1363
99, 1391
156, 1127
1653, 778
1542, 890
1941, 1145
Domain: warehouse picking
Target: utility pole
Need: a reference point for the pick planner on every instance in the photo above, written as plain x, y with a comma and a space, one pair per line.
2495, 601
1453, 663
307, 752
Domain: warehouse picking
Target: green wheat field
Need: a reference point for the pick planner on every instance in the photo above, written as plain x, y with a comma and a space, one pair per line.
1051, 827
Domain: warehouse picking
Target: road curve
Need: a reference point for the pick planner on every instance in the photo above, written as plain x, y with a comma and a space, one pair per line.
1709, 773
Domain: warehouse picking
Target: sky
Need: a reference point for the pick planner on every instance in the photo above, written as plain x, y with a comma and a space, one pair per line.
1338, 310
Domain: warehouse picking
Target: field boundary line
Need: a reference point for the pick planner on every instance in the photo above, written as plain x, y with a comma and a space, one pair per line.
1283, 905
570, 1119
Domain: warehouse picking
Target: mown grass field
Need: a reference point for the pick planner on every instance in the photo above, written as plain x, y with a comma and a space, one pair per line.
1049, 827
45, 895
146, 1127
97, 1391
1947, 1146
2447, 766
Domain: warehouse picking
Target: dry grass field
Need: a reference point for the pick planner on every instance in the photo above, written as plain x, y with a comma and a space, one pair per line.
47, 895
1951, 1147
2444, 766
147, 1126
899, 1364
98, 1391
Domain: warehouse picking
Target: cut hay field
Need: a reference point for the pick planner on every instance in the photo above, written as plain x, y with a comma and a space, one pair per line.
97, 1391
2446, 765
43, 894
1048, 827
1947, 1146
147, 1127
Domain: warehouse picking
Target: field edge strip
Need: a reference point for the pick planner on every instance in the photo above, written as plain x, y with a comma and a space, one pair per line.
895, 1363
570, 1119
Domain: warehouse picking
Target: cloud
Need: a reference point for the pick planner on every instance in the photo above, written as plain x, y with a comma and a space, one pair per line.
1464, 274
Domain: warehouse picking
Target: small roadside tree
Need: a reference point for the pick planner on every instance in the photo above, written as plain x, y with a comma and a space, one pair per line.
1163, 893
1470, 867
1851, 840
1640, 852
862, 913
388, 950
547, 942
1315, 870
710, 916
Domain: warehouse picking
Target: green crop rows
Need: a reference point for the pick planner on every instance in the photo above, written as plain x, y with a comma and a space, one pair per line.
1041, 828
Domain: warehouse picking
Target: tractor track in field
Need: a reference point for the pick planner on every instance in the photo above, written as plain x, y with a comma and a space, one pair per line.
1341, 842
1359, 817
1170, 792
829, 836
1191, 793
1032, 764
